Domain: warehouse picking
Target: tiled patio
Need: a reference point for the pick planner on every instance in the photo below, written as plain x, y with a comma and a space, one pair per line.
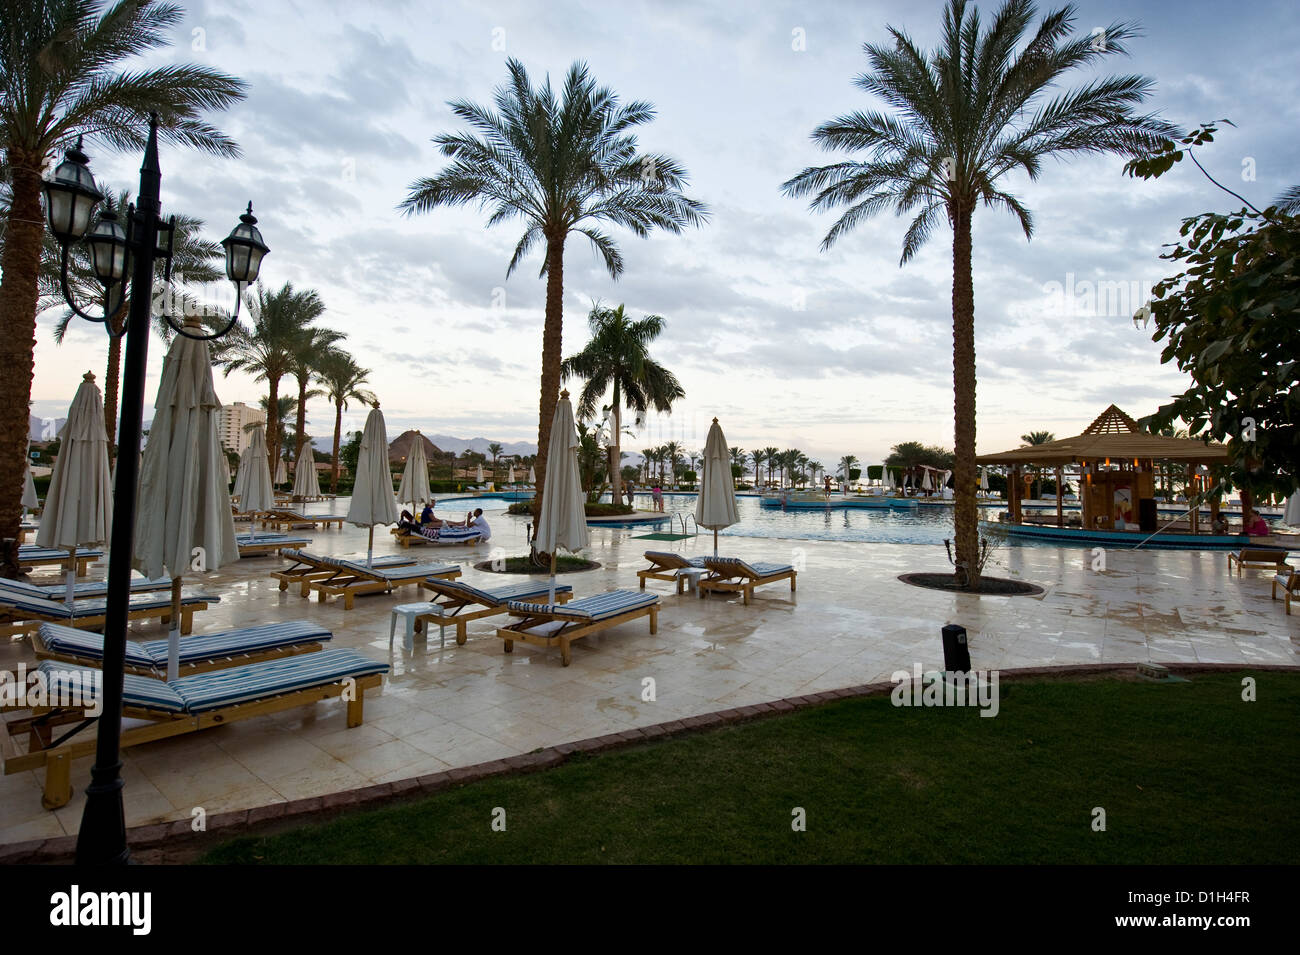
851, 622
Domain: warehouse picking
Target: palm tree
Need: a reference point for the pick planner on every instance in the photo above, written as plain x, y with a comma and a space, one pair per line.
672, 452
64, 73
847, 464
268, 348
194, 259
342, 378
738, 459
1030, 440
618, 356
758, 457
964, 116
647, 458
770, 455
310, 351
495, 450
561, 165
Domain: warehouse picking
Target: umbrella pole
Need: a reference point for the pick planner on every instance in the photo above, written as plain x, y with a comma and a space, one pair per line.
72, 578
370, 548
715, 542
551, 598
174, 634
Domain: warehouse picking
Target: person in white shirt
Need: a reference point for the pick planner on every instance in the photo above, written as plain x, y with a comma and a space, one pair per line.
480, 524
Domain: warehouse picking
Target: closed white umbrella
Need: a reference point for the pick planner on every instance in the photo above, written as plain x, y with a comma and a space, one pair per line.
1292, 514
253, 483
281, 472
926, 484
225, 469
478, 475
305, 483
563, 519
510, 474
186, 523
372, 495
415, 476
984, 478
77, 509
30, 500
715, 507
532, 476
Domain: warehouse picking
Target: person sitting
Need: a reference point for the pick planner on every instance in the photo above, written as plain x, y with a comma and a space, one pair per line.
426, 515
1254, 524
1221, 525
480, 524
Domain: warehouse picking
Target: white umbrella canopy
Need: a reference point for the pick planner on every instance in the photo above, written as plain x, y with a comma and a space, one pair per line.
984, 478
532, 476
30, 500
305, 482
715, 507
225, 468
372, 495
253, 482
510, 474
478, 475
281, 472
926, 484
77, 508
563, 520
1292, 514
415, 476
183, 479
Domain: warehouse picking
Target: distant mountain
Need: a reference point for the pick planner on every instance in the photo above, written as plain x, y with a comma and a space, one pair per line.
508, 448
400, 447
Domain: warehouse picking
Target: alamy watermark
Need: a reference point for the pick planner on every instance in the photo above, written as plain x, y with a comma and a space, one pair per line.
75, 687
937, 688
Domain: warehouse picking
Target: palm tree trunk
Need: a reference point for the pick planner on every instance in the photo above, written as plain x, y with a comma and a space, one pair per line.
302, 418
965, 512
113, 380
552, 357
20, 263
338, 433
615, 454
272, 424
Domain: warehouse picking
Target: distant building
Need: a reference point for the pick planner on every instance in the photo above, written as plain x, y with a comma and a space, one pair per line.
232, 420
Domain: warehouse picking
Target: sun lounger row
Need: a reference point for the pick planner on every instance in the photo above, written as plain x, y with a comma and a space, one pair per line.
307, 567
286, 519
88, 588
725, 574
29, 555
352, 578
186, 705
263, 545
461, 602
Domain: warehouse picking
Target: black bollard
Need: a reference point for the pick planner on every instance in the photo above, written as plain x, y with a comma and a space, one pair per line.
956, 653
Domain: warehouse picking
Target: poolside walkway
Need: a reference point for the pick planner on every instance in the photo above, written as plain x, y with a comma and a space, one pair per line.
851, 622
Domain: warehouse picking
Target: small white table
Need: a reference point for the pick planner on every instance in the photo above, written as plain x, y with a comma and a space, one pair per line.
692, 577
410, 612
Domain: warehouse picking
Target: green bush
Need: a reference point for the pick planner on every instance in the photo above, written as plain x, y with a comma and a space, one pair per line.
592, 510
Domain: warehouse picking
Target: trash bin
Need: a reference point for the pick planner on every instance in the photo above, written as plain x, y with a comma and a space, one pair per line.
956, 652
1147, 515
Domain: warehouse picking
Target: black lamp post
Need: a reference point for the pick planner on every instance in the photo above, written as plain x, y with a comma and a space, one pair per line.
117, 252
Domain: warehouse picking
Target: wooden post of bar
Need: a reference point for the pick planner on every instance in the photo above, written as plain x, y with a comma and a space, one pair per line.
1060, 477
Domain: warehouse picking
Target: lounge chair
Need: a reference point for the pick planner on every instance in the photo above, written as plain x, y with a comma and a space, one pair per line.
1259, 558
198, 654
33, 556
89, 588
549, 625
264, 545
445, 536
665, 565
182, 706
462, 602
287, 519
307, 567
1289, 581
733, 575
352, 578
20, 614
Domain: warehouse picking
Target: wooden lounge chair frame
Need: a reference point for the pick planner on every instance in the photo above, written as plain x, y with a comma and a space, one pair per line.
56, 755
456, 604
350, 583
186, 669
305, 570
22, 622
563, 632
661, 570
283, 519
725, 580
1290, 587
83, 563
267, 548
1258, 558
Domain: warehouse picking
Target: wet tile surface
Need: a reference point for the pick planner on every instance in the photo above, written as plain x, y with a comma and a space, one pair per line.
851, 621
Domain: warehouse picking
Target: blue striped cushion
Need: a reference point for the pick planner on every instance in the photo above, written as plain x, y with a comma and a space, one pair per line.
269, 540
89, 588
669, 559
94, 607
271, 636
596, 607
410, 571
757, 569
142, 692
496, 596
33, 552
90, 645
204, 692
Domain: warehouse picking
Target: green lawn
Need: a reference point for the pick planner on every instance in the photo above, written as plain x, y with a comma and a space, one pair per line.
1186, 772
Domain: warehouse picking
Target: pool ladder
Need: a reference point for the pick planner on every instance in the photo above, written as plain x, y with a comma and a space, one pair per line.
684, 517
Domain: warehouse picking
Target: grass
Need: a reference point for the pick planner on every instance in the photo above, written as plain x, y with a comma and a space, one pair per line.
1187, 773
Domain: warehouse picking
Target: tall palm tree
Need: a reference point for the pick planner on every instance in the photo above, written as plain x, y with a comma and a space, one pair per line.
770, 455
847, 464
673, 452
758, 457
647, 458
981, 105
1031, 439
495, 450
268, 348
68, 69
561, 165
342, 378
194, 259
738, 459
310, 352
618, 356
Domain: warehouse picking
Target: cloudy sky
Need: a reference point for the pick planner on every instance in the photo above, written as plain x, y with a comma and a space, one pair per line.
831, 352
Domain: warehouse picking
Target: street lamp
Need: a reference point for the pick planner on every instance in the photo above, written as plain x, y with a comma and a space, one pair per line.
116, 254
